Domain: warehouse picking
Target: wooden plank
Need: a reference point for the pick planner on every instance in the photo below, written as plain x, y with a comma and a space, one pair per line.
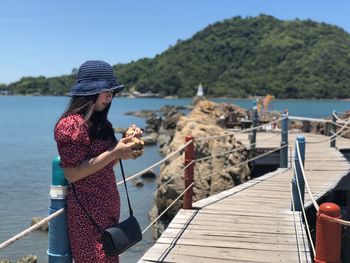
232, 218
245, 212
250, 216
239, 237
209, 242
165, 253
232, 224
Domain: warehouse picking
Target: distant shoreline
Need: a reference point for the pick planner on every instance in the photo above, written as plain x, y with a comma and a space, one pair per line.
175, 97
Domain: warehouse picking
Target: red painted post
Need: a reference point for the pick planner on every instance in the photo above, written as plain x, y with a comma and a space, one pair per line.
328, 234
189, 157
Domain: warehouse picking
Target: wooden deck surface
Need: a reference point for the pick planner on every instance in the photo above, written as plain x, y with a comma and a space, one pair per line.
253, 222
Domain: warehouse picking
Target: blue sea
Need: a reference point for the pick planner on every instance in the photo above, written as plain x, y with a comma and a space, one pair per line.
27, 149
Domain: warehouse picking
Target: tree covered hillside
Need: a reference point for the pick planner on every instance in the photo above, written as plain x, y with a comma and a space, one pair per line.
239, 57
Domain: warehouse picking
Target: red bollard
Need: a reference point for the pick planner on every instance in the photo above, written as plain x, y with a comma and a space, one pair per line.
189, 156
328, 235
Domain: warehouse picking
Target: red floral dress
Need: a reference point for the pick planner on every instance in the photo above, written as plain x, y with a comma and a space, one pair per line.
98, 192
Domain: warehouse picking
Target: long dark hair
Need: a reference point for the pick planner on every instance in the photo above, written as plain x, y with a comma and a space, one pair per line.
98, 125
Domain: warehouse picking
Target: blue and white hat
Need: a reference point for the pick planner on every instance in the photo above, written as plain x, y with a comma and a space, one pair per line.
94, 77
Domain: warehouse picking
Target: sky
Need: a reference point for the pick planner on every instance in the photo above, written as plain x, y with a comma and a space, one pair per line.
50, 38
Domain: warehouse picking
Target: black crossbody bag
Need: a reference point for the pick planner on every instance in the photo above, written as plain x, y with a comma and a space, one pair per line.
119, 237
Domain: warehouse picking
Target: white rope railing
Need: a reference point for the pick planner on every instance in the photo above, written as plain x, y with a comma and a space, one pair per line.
237, 132
338, 124
156, 164
334, 135
339, 119
295, 227
324, 216
311, 169
220, 154
302, 205
31, 229
307, 119
167, 182
246, 161
57, 213
305, 179
331, 138
155, 220
336, 220
193, 161
232, 151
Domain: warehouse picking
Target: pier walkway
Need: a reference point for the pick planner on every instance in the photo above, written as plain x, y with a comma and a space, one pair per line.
253, 222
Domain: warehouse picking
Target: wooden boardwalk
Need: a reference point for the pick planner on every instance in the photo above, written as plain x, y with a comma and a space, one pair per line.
252, 222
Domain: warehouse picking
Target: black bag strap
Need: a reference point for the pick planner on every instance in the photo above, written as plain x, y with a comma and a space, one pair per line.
126, 187
86, 212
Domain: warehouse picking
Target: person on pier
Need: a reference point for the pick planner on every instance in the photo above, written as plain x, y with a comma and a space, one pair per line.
89, 149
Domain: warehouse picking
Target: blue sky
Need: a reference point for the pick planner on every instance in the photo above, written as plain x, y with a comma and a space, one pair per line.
50, 38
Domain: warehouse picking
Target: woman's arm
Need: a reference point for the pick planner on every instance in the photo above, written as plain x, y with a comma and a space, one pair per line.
123, 150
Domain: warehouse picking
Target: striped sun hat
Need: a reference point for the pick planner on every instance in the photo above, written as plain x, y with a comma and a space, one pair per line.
95, 76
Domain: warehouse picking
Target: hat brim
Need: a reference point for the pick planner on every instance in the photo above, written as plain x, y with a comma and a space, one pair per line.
94, 87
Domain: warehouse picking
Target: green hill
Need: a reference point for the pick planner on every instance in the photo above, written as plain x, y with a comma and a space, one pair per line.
238, 57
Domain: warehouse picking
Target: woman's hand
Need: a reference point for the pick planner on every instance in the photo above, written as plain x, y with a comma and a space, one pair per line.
123, 150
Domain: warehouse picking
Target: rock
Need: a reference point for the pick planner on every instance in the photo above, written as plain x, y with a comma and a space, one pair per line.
120, 130
150, 139
211, 176
164, 141
148, 175
142, 113
157, 229
171, 119
5, 260
295, 125
37, 219
153, 124
28, 259
137, 182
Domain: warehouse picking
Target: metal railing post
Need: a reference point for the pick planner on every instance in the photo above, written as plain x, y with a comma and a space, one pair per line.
328, 234
333, 128
252, 136
58, 242
284, 141
189, 172
298, 175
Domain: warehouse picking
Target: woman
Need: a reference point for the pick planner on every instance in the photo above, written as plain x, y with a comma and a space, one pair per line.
88, 149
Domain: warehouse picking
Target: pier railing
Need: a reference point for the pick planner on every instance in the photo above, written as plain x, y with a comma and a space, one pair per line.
329, 222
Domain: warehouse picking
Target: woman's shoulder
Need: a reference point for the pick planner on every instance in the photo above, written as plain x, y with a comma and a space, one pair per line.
72, 126
72, 119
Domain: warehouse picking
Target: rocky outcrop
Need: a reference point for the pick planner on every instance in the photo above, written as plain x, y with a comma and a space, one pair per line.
28, 259
25, 259
36, 220
212, 175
